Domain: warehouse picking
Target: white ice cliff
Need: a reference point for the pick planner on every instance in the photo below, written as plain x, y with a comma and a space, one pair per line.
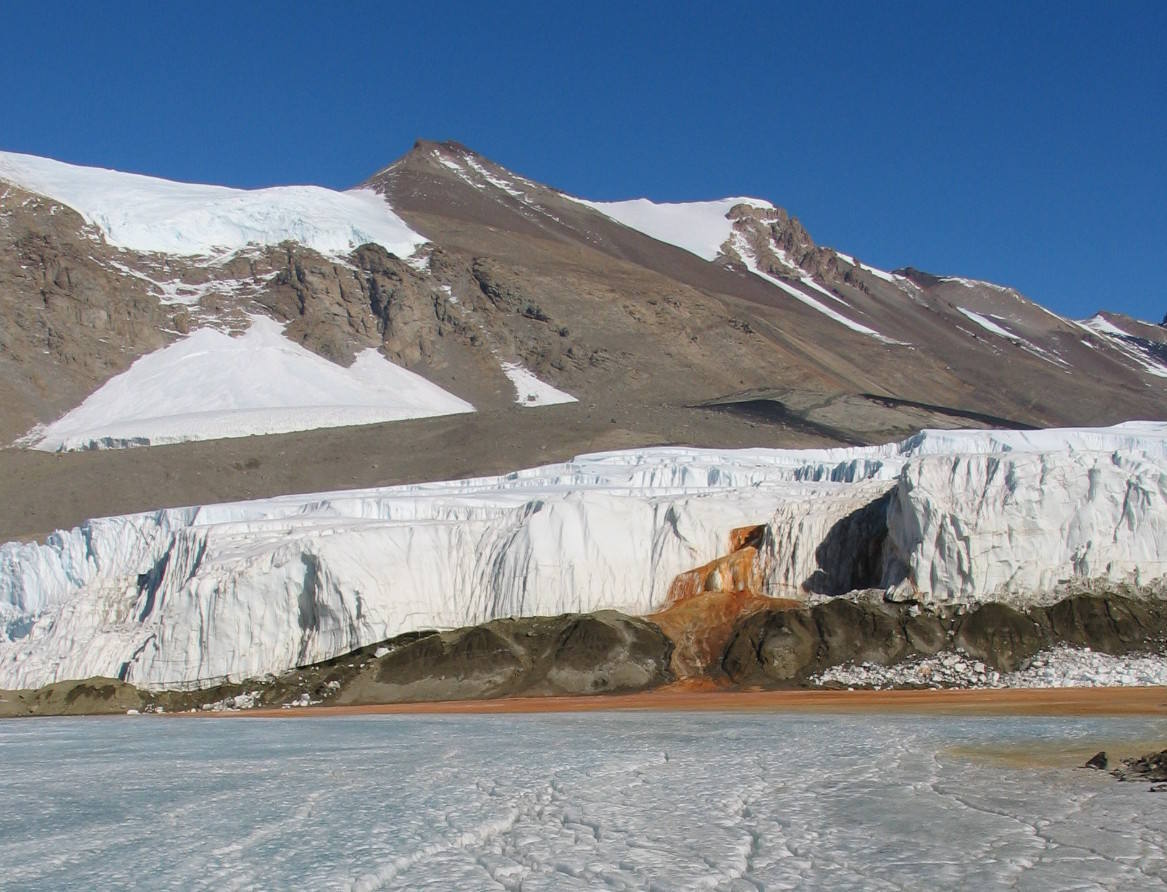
183, 596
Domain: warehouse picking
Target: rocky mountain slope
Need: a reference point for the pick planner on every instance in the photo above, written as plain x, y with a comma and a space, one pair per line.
714, 323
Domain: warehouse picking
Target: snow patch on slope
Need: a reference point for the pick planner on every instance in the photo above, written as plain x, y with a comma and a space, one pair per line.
883, 274
987, 324
751, 263
975, 283
1102, 325
180, 293
530, 391
149, 214
878, 273
699, 227
1126, 344
211, 385
993, 328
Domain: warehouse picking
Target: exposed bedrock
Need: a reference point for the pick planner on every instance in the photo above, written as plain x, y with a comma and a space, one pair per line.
787, 647
572, 654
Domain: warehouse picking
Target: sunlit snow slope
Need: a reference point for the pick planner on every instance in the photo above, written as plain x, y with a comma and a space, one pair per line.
211, 385
149, 214
194, 594
700, 227
530, 391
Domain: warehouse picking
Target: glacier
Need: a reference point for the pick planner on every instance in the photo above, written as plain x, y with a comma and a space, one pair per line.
195, 595
149, 214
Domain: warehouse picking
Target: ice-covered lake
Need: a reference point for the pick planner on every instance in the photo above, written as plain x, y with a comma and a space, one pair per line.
617, 801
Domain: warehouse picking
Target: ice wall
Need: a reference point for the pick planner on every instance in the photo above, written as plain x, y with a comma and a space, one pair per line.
192, 595
971, 526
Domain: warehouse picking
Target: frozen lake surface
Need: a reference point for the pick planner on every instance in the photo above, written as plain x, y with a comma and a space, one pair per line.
614, 801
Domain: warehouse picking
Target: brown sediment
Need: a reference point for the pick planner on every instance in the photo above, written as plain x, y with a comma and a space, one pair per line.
707, 696
736, 571
701, 625
1059, 753
704, 605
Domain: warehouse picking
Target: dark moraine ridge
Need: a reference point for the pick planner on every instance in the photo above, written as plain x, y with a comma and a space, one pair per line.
609, 652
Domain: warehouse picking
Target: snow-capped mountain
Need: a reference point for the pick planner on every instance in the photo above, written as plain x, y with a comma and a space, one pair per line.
446, 283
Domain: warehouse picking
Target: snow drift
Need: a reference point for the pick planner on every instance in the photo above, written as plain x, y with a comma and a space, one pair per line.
699, 227
211, 385
192, 595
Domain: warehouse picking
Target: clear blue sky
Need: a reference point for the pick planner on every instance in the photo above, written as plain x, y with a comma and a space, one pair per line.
1022, 145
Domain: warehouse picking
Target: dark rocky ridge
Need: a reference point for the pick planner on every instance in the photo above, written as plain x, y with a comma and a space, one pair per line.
603, 652
608, 652
788, 647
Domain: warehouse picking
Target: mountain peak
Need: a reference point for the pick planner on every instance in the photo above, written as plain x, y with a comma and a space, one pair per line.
421, 145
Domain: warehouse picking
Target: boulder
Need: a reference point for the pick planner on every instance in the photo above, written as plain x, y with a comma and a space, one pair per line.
1001, 636
569, 654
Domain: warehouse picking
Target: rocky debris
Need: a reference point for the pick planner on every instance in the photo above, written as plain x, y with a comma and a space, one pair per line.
1058, 667
1098, 761
866, 642
1062, 666
1150, 767
1066, 666
944, 670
